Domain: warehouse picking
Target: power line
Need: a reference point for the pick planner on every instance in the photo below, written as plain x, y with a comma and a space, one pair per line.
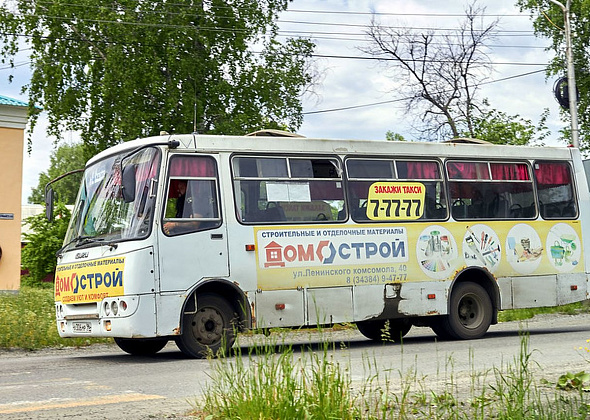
417, 28
15, 65
346, 108
314, 12
513, 63
364, 40
329, 56
436, 15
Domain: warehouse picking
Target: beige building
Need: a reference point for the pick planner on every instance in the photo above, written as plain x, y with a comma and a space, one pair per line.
13, 120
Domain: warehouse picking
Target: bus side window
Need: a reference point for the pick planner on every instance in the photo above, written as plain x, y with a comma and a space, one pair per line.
192, 201
555, 189
491, 190
279, 189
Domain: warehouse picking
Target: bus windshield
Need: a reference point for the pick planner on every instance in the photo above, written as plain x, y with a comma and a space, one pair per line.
101, 213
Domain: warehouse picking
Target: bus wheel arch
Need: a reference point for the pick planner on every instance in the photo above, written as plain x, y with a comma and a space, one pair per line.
211, 317
472, 306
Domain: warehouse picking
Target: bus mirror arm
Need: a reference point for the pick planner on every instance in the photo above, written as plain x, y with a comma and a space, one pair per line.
50, 194
49, 197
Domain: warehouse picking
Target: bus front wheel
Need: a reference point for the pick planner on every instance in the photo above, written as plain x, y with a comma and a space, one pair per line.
470, 313
209, 330
385, 329
141, 347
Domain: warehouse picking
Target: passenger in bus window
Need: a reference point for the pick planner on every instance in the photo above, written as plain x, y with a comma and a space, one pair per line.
181, 208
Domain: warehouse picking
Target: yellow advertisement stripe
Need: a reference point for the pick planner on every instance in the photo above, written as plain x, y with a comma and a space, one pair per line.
89, 281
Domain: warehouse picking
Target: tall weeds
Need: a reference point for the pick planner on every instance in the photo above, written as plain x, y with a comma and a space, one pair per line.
276, 382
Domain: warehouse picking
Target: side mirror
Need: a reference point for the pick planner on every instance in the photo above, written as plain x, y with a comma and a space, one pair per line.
49, 198
128, 183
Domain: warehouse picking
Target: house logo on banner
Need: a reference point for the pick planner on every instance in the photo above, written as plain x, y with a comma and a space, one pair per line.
316, 247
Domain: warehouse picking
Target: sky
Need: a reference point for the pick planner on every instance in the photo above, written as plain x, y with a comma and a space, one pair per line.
337, 27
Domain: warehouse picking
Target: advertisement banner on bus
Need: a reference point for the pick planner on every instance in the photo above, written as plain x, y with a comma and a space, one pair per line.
326, 256
89, 281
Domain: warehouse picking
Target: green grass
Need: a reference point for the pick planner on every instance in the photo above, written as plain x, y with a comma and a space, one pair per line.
521, 314
274, 382
28, 321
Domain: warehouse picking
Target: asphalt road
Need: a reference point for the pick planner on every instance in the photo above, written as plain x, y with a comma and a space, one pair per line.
101, 382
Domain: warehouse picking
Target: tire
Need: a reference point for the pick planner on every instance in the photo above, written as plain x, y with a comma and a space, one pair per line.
209, 330
140, 346
385, 329
470, 313
439, 328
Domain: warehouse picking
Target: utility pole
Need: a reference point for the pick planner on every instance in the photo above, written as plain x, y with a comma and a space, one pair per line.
571, 77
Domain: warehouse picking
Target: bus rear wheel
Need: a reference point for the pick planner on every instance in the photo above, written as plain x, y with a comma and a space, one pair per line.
140, 346
209, 330
385, 329
470, 313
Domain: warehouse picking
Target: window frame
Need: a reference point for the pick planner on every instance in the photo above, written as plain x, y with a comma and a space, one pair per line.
573, 189
393, 160
289, 179
464, 213
205, 223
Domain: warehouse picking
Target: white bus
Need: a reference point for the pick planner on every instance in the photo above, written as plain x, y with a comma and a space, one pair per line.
195, 237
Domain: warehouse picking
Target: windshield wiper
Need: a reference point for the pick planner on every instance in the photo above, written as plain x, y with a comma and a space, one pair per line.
79, 240
84, 240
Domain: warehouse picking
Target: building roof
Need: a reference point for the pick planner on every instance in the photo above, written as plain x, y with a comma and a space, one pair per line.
5, 100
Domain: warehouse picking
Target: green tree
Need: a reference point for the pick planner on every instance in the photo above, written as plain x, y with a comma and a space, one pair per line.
500, 128
116, 70
548, 21
392, 136
66, 158
38, 256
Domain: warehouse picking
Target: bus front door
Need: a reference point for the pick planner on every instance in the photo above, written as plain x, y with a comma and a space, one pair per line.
193, 238
186, 259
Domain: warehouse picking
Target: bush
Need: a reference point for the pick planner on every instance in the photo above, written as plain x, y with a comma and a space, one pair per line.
38, 256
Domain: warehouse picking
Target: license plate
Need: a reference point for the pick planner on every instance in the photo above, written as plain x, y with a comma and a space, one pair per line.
82, 327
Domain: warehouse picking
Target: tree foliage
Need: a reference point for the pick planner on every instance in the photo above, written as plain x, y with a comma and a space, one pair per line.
116, 70
548, 21
66, 158
438, 75
393, 136
38, 256
500, 128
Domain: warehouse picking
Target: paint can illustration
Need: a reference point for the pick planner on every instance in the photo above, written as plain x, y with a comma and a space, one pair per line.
557, 253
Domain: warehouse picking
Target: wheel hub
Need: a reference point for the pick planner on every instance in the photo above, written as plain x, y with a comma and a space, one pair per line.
207, 326
470, 312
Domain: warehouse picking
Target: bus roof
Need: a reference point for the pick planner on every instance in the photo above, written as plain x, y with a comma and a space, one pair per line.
294, 145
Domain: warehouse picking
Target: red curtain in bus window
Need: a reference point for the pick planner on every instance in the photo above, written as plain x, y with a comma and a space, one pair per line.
468, 170
189, 166
509, 171
552, 173
419, 170
192, 166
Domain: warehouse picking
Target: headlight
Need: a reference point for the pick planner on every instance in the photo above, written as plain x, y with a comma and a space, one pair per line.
115, 308
107, 309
